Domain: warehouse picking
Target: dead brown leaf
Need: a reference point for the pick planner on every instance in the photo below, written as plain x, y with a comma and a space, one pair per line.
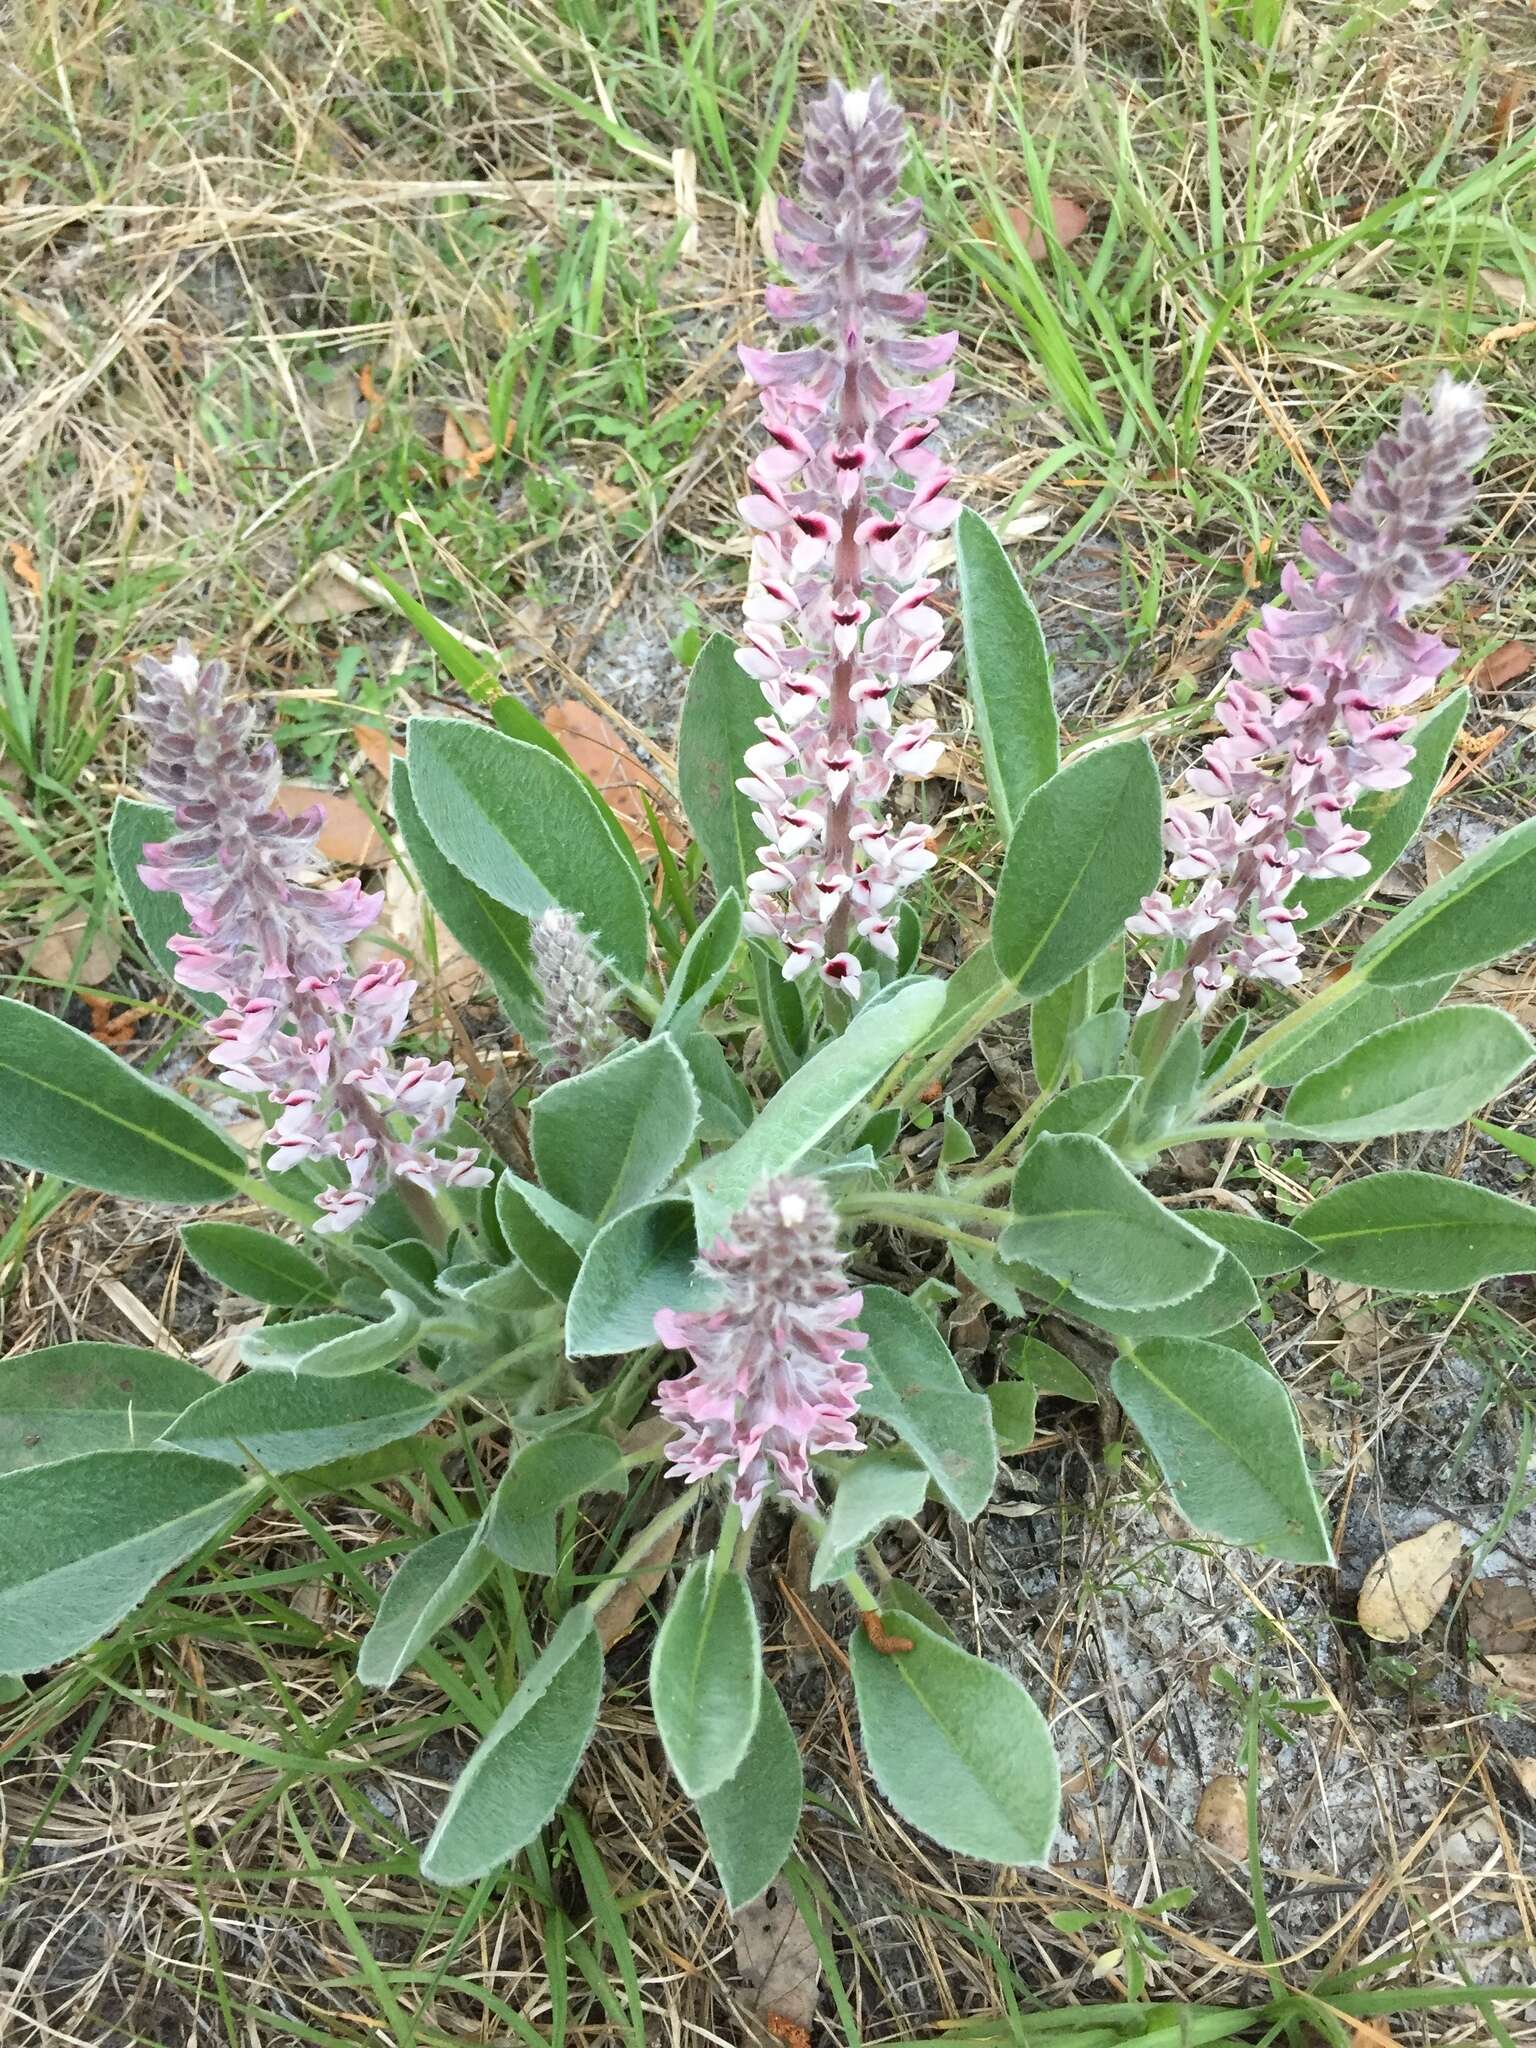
619, 1615
1372, 2034
347, 833
326, 596
1508, 290
1501, 1617
602, 754
778, 1961
1221, 1819
1524, 1768
377, 749
1442, 856
1504, 665
1408, 1585
1068, 219
53, 958
24, 566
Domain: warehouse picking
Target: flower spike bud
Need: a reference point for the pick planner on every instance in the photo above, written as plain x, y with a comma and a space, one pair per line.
577, 998
299, 1027
845, 506
1309, 714
772, 1382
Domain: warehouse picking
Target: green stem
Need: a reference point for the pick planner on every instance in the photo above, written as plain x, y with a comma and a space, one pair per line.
1255, 1054
1016, 1130
1191, 1132
926, 1226
934, 1067
922, 1201
863, 1599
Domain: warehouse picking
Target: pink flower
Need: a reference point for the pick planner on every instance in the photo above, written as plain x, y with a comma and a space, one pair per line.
845, 505
299, 1026
1303, 733
771, 1383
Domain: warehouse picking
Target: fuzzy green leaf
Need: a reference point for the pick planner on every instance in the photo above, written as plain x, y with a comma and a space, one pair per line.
527, 830
609, 1138
336, 1346
707, 1677
878, 1487
1391, 816
544, 1477
86, 1539
1477, 913
1419, 1233
256, 1264
545, 1236
750, 1821
438, 1579
289, 1425
495, 937
916, 1387
638, 1263
957, 1746
1087, 848
1320, 1040
1428, 1073
1080, 1216
1260, 1247
1225, 1435
69, 1106
813, 1101
523, 1769
70, 1398
1008, 671
1226, 1298
716, 729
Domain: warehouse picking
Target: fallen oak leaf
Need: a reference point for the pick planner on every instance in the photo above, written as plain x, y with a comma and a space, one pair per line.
1408, 1585
606, 759
347, 834
1504, 665
777, 1956
1068, 219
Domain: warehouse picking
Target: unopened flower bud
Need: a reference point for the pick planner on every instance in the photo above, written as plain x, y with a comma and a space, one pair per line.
577, 996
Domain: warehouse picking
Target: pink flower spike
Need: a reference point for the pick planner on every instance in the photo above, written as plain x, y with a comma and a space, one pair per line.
846, 501
1309, 687
771, 1383
300, 1027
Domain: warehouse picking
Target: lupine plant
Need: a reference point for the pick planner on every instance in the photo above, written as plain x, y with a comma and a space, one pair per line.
671, 1311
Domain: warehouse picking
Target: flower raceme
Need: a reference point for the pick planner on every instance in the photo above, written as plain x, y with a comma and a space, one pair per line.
772, 1382
577, 998
299, 1027
845, 505
1310, 715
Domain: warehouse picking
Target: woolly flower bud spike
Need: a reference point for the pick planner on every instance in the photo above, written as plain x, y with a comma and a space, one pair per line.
577, 998
300, 1027
772, 1383
1303, 727
845, 506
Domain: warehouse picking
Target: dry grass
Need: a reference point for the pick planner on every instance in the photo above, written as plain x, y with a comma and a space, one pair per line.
256, 260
